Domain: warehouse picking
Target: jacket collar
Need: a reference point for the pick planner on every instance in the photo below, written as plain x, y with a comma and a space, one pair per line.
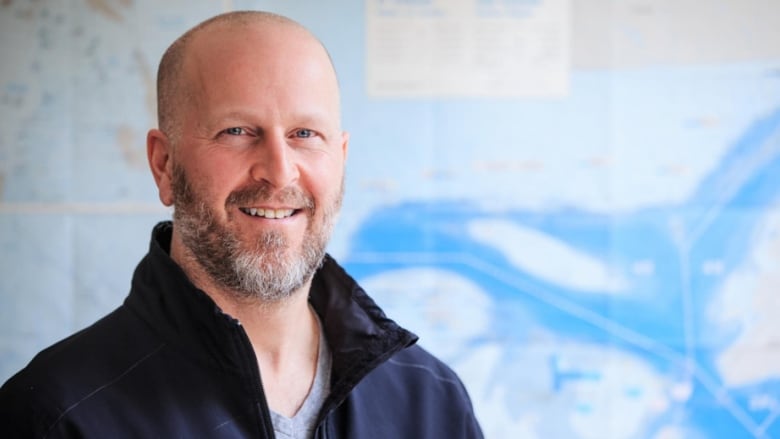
359, 334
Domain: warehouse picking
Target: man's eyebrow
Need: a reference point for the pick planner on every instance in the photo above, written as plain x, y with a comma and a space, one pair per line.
304, 116
320, 120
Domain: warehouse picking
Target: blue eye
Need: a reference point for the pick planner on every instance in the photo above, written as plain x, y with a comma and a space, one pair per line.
304, 133
234, 131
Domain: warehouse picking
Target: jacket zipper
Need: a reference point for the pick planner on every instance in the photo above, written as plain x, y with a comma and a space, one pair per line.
332, 403
247, 353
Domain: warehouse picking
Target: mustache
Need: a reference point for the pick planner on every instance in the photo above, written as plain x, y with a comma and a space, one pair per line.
262, 192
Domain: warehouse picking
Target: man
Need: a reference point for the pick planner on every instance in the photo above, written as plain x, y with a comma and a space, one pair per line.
237, 323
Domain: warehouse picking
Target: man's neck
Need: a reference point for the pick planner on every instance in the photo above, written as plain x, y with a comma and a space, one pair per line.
284, 335
276, 328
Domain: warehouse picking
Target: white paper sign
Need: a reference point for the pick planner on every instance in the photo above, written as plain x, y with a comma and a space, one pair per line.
467, 48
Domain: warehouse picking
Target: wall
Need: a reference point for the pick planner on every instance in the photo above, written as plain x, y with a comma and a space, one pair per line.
573, 203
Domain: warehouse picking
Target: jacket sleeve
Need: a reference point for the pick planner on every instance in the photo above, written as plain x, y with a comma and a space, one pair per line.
22, 415
471, 428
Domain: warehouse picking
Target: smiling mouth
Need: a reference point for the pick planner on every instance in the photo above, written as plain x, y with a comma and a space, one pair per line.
268, 213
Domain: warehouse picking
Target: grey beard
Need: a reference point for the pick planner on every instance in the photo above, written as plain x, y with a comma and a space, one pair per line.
267, 271
258, 275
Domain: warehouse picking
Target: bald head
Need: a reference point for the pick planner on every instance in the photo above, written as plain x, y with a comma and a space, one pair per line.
175, 87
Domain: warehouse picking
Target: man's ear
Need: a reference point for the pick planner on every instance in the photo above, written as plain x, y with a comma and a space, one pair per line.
159, 152
345, 144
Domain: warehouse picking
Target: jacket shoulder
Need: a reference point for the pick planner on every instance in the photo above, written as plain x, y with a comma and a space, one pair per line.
414, 394
423, 374
73, 370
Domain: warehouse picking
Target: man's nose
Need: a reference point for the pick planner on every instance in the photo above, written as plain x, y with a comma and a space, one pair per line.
274, 162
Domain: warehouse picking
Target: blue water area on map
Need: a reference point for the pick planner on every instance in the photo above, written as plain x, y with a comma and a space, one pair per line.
716, 223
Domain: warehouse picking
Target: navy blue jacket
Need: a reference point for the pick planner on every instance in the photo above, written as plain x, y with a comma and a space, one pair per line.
169, 364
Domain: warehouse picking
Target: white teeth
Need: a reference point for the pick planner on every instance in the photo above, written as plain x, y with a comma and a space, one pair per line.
268, 213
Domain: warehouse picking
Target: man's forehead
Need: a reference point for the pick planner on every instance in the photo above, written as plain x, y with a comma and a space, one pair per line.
259, 48
256, 34
239, 63
264, 45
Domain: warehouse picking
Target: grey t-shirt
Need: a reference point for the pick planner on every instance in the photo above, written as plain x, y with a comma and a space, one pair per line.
302, 425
